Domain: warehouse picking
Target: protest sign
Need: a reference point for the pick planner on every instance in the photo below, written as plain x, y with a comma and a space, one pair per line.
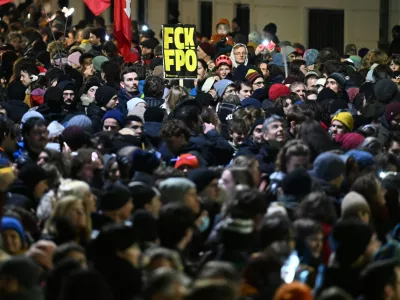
179, 51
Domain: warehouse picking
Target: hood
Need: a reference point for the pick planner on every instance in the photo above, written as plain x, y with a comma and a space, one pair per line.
232, 57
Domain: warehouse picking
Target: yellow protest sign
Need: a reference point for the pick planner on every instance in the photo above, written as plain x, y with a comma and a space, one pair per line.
179, 51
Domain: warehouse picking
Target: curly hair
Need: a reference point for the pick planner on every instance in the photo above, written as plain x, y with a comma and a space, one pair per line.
174, 128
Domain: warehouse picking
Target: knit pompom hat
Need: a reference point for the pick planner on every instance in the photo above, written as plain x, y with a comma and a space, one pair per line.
252, 75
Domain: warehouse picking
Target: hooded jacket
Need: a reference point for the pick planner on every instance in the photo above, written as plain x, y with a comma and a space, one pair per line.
232, 57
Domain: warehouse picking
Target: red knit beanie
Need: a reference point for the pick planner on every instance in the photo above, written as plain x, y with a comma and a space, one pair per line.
392, 110
278, 90
350, 141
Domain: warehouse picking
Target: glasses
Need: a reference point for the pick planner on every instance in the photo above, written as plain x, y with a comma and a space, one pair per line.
260, 83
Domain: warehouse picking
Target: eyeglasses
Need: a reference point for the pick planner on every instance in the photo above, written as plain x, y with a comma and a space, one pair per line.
260, 83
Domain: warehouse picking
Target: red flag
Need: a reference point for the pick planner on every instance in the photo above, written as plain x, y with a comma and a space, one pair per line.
2, 2
96, 6
123, 29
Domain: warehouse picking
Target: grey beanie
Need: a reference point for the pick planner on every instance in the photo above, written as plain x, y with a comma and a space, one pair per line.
328, 166
352, 204
175, 189
81, 121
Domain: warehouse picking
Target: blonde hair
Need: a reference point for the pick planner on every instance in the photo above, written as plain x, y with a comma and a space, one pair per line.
374, 56
63, 206
76, 188
173, 96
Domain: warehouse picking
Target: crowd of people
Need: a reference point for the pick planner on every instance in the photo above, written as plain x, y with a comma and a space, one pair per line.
273, 175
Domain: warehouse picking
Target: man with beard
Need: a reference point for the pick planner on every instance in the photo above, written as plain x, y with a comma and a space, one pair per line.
69, 104
129, 89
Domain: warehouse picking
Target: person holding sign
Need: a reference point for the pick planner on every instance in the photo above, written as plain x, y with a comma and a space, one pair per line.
180, 58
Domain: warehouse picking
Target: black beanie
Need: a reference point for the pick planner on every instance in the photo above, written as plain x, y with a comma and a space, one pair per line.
326, 93
53, 95
351, 237
142, 194
297, 183
337, 104
90, 84
202, 177
104, 95
205, 99
75, 137
114, 197
31, 174
154, 114
385, 90
145, 161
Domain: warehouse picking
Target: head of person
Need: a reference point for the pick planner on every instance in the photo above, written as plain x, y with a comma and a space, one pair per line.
147, 47
224, 66
117, 202
180, 190
85, 60
354, 205
29, 74
274, 229
299, 88
225, 88
201, 68
394, 63
130, 80
176, 223
79, 189
146, 197
329, 167
91, 88
205, 51
342, 122
393, 144
83, 164
319, 207
311, 81
380, 280
68, 89
263, 66
175, 134
113, 121
14, 39
106, 97
174, 95
299, 64
8, 135
256, 132
309, 238
136, 124
238, 131
153, 87
256, 79
251, 164
274, 129
244, 89
392, 115
70, 250
35, 134
294, 154
97, 36
239, 55
336, 82
165, 283
206, 182
372, 190
13, 235
270, 28
234, 176
213, 289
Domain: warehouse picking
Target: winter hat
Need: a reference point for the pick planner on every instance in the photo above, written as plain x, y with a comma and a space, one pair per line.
356, 60
24, 270
137, 111
55, 129
326, 93
145, 161
223, 21
114, 197
116, 115
277, 60
278, 90
364, 159
175, 189
74, 58
104, 94
91, 84
250, 102
385, 90
202, 177
31, 174
337, 104
310, 55
81, 121
208, 84
205, 99
255, 38
345, 118
208, 49
297, 183
252, 75
75, 137
53, 96
350, 141
353, 203
133, 102
187, 160
154, 114
351, 237
142, 194
293, 291
31, 114
149, 43
221, 86
328, 166
98, 61
339, 78
11, 223
391, 111
240, 226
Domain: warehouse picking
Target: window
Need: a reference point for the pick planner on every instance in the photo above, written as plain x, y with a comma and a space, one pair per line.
243, 18
142, 11
173, 11
206, 14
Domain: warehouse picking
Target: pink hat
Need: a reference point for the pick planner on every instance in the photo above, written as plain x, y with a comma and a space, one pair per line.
74, 58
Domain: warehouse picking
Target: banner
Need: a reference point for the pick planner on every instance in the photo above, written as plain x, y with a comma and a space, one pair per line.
179, 51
